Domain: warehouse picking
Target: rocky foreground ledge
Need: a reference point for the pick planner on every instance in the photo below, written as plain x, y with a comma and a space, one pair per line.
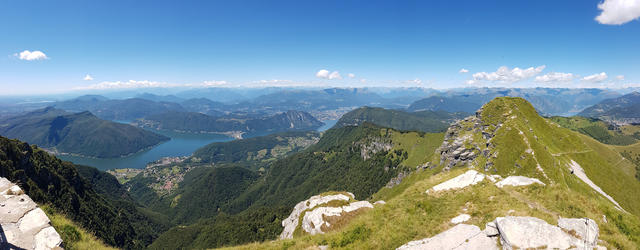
23, 225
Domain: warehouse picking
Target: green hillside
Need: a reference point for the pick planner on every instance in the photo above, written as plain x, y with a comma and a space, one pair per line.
359, 159
80, 133
425, 121
602, 131
257, 151
508, 138
624, 109
59, 185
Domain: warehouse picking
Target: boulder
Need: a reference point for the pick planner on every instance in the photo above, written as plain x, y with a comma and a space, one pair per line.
34, 220
518, 181
469, 178
461, 236
532, 233
47, 238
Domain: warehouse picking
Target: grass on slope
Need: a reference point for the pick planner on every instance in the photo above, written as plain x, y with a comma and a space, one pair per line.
73, 236
415, 215
599, 130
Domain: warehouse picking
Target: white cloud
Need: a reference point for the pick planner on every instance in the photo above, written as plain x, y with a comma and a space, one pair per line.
620, 77
555, 77
595, 77
335, 75
416, 81
323, 73
363, 80
618, 12
88, 78
214, 83
462, 71
506, 75
351, 75
31, 55
131, 84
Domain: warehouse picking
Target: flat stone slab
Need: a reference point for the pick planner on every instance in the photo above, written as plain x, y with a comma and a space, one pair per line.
469, 178
23, 224
461, 236
518, 181
532, 233
584, 228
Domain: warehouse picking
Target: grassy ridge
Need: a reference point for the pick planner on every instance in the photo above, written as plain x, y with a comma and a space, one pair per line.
600, 130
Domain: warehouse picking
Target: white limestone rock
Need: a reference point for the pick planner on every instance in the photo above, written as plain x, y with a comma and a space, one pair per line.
461, 236
460, 218
313, 220
47, 238
586, 229
491, 230
518, 181
381, 202
34, 220
531, 233
469, 178
14, 207
291, 222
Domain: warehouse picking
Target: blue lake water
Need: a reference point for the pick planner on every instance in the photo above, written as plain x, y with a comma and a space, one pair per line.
181, 144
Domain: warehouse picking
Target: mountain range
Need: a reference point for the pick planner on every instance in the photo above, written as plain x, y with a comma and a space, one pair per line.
78, 133
623, 110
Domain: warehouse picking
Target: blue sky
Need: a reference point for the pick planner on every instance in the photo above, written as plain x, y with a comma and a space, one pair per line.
261, 43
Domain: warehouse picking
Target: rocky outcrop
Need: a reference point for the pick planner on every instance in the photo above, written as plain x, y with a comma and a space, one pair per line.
515, 233
22, 224
315, 220
518, 181
318, 213
291, 222
469, 178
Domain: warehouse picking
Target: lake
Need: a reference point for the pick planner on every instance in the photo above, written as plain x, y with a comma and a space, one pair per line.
181, 144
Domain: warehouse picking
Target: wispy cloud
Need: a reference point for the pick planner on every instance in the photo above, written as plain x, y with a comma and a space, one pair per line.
555, 77
506, 75
462, 71
618, 12
325, 74
31, 55
131, 84
595, 78
88, 78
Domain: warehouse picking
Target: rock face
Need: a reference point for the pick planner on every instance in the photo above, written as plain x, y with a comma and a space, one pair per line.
515, 233
469, 178
518, 181
462, 236
291, 222
23, 224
